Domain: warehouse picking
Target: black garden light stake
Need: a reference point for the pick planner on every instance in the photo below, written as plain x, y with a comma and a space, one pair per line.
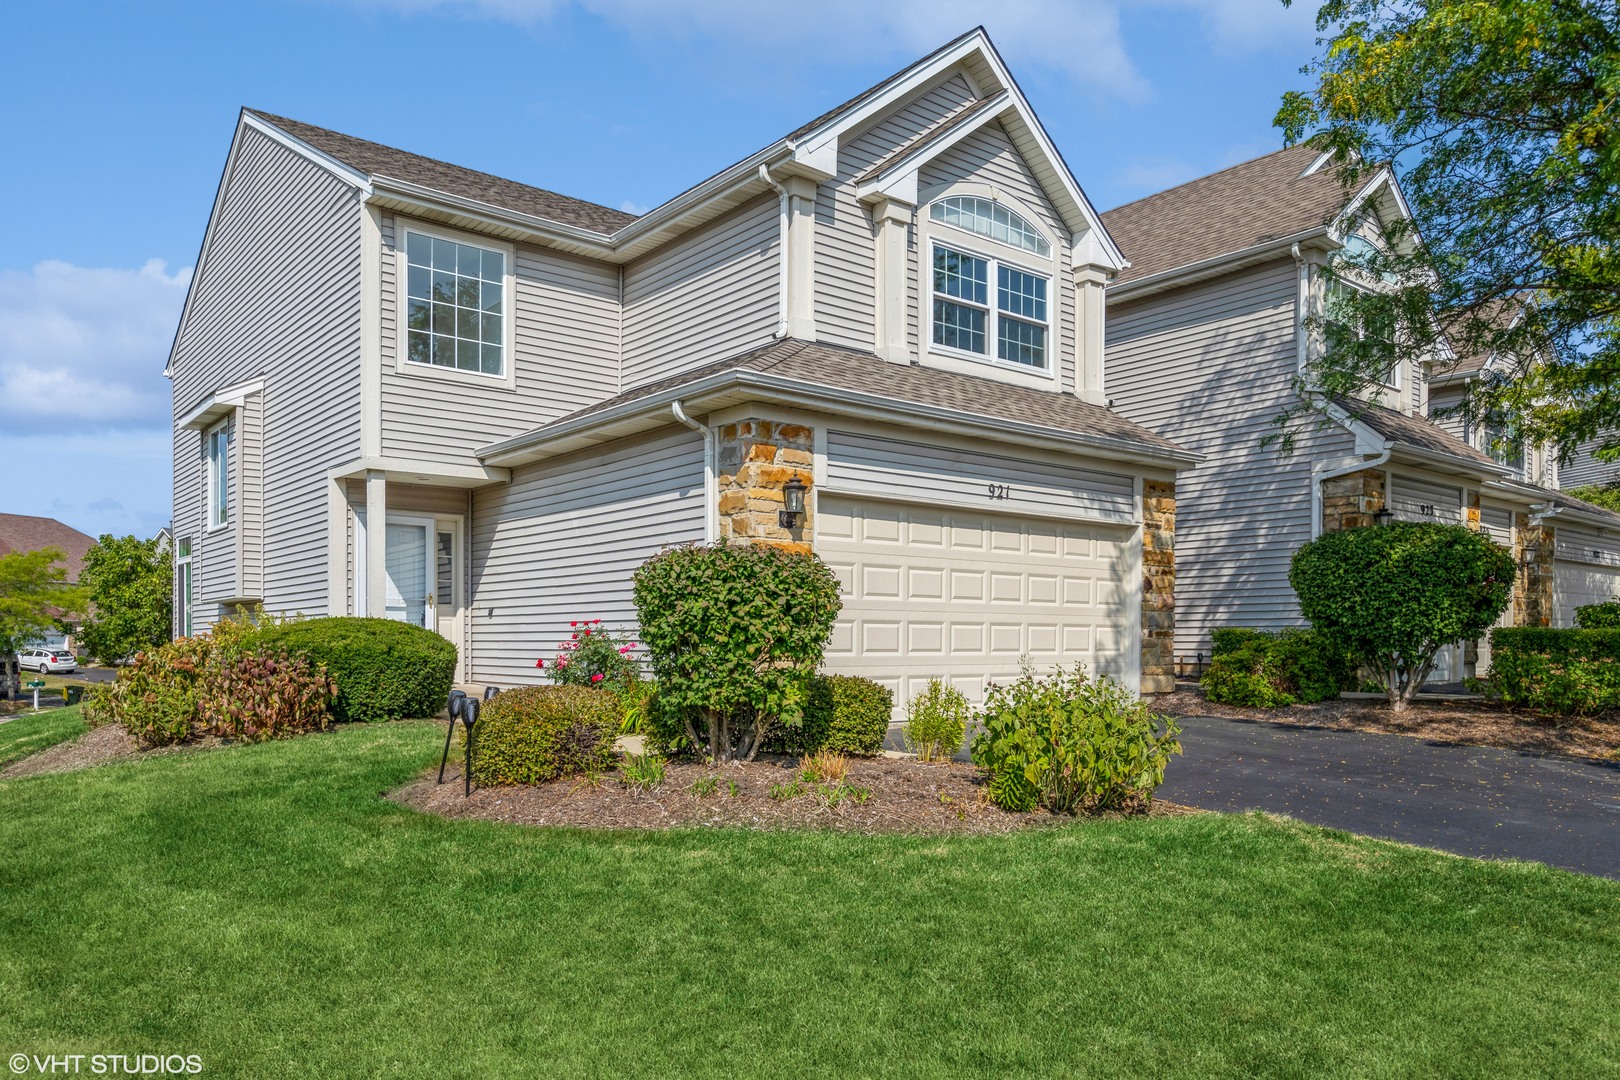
457, 699
469, 716
489, 693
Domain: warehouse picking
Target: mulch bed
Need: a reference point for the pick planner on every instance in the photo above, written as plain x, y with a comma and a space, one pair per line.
98, 746
1468, 723
907, 796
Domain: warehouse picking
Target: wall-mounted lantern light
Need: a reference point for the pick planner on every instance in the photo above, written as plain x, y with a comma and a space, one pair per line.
792, 503
1384, 516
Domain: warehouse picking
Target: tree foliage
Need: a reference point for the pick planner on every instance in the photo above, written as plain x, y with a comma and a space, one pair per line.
1604, 495
1394, 595
735, 633
131, 589
35, 595
1501, 121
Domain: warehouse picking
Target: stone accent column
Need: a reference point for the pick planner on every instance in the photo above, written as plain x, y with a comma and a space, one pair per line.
1158, 587
756, 458
1533, 577
1471, 511
1349, 502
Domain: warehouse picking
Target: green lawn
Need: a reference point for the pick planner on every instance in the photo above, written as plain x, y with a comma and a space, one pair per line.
262, 908
30, 732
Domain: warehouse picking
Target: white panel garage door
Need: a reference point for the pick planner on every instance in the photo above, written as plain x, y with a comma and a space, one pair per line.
961, 595
1586, 570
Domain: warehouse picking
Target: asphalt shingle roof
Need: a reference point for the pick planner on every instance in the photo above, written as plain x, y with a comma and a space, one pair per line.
850, 369
375, 159
1226, 212
22, 532
1415, 431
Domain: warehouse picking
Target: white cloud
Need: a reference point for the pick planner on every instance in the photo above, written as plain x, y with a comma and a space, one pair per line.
1078, 38
83, 348
630, 206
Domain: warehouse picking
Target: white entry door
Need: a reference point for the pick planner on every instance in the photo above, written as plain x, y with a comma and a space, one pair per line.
410, 572
961, 595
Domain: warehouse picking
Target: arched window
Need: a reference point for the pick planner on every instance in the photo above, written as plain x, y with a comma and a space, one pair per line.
987, 218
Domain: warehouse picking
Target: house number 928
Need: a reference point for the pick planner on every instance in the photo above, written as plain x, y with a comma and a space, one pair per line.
1000, 491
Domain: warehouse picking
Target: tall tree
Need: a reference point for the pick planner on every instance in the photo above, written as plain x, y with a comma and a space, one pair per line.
34, 596
1502, 118
131, 587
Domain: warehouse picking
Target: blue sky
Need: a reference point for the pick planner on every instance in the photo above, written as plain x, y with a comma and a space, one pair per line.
120, 114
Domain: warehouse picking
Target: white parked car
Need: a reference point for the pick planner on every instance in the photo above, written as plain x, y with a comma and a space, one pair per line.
53, 661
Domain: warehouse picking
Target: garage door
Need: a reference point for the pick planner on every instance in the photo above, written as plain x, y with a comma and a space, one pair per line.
1586, 570
961, 595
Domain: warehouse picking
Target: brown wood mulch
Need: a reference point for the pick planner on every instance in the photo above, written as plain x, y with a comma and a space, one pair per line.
98, 746
1467, 723
907, 796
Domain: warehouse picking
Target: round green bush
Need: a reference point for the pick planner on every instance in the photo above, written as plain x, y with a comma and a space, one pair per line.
843, 713
1266, 669
1604, 616
385, 669
538, 733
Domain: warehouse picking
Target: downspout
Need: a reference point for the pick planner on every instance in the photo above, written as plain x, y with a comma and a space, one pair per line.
1303, 300
782, 252
1321, 475
711, 489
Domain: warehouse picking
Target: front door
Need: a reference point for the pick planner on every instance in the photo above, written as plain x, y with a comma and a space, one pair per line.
410, 572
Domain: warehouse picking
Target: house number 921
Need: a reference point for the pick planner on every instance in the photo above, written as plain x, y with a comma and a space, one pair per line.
1000, 491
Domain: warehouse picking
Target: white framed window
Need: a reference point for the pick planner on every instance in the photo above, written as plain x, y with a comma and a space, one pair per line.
975, 214
217, 470
456, 303
182, 584
1343, 321
990, 309
1503, 444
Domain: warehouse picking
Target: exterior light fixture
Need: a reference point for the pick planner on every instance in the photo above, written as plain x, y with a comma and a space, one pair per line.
1384, 516
792, 503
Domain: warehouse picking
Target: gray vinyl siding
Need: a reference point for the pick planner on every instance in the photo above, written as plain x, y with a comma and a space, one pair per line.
276, 297
846, 254
560, 542
187, 508
703, 297
566, 341
1453, 423
249, 503
1584, 469
1209, 366
988, 156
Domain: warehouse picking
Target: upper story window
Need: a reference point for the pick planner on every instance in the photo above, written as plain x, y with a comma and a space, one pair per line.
973, 214
217, 457
455, 304
1015, 323
1346, 324
1503, 444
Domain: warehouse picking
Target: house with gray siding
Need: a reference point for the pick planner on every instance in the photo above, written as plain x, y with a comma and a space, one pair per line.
408, 389
1209, 333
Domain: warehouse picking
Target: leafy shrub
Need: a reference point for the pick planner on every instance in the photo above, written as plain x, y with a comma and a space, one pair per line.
532, 734
254, 696
1265, 669
936, 722
156, 697
100, 704
843, 713
384, 669
594, 655
1564, 672
1604, 616
735, 633
1395, 595
1069, 743
644, 771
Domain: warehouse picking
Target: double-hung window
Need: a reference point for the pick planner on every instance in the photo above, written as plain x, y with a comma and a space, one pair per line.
1345, 324
1503, 444
1008, 320
456, 306
217, 458
182, 583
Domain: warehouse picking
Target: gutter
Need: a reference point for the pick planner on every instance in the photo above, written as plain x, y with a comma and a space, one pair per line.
1323, 471
711, 482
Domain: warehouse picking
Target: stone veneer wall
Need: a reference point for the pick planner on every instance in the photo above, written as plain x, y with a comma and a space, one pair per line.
1349, 502
1158, 586
756, 458
1533, 579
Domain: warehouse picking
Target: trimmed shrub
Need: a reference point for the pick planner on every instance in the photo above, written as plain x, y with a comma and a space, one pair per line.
845, 714
735, 633
1265, 669
1564, 672
936, 722
536, 733
254, 696
384, 669
1070, 743
1395, 595
1604, 616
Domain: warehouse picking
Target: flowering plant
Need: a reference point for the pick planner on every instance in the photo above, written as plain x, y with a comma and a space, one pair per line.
593, 656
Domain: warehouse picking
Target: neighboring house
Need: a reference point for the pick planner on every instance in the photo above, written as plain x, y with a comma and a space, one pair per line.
1209, 330
407, 389
22, 532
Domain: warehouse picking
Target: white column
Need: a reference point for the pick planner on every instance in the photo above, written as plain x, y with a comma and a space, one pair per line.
801, 258
894, 220
337, 547
1089, 282
376, 544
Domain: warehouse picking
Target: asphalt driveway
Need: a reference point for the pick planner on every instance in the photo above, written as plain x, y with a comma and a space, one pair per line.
1465, 799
